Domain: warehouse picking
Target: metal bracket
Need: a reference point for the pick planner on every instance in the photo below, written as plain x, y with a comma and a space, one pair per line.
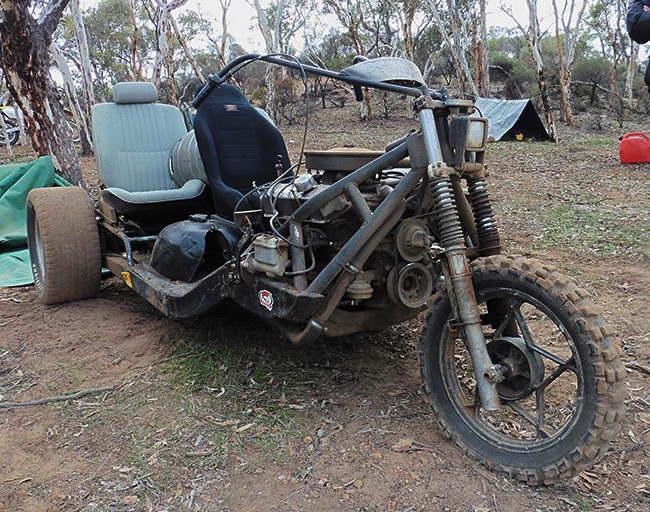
440, 170
427, 102
349, 267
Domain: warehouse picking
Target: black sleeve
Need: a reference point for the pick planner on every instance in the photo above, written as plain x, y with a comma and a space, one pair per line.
638, 22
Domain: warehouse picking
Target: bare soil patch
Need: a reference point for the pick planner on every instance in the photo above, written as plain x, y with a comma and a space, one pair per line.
219, 413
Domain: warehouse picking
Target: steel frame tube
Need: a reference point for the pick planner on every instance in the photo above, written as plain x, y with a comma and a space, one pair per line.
359, 203
316, 325
430, 134
359, 239
359, 176
298, 256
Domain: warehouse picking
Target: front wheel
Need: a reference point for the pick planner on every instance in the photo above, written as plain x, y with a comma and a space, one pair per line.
562, 397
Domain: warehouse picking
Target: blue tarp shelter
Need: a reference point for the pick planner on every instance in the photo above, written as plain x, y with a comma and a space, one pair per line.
509, 118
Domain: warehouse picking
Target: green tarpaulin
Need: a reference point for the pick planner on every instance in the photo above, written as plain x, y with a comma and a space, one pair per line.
16, 180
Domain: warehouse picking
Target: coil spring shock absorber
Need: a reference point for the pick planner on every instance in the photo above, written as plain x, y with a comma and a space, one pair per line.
451, 231
486, 228
489, 245
461, 289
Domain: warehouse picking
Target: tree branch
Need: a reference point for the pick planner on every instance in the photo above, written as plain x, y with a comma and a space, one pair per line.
42, 401
51, 15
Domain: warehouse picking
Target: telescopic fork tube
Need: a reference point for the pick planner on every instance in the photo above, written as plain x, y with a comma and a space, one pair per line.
456, 264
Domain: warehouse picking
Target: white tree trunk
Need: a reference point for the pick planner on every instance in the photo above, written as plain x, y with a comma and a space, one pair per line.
3, 127
457, 45
162, 48
70, 92
631, 68
271, 40
87, 79
186, 50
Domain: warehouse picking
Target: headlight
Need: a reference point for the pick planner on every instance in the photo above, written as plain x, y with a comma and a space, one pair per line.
476, 135
468, 135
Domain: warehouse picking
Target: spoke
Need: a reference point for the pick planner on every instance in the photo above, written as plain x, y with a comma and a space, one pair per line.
568, 366
539, 395
507, 319
541, 432
528, 338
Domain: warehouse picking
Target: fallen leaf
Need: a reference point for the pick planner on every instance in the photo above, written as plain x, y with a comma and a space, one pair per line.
245, 427
130, 500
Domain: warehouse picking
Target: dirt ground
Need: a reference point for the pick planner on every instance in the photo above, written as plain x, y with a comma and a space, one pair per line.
217, 413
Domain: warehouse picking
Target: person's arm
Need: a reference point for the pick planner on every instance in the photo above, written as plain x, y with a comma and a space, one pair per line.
638, 21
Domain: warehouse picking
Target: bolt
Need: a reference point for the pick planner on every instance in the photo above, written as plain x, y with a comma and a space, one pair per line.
495, 374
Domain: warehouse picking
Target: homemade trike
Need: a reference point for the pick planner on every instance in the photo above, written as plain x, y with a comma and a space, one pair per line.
522, 371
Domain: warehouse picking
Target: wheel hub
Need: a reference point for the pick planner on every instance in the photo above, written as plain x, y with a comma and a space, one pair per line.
524, 368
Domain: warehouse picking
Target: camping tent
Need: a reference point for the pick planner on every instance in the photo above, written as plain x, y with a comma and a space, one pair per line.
509, 118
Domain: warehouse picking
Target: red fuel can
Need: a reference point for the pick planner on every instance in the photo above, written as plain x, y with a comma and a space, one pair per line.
634, 148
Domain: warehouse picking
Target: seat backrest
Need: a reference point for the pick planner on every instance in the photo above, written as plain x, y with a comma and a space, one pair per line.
133, 136
239, 145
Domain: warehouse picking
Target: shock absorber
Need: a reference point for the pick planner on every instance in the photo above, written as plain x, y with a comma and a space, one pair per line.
461, 293
489, 245
486, 228
455, 263
451, 231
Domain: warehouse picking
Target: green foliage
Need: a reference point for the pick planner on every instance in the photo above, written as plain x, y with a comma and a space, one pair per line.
110, 37
516, 75
258, 97
333, 50
508, 41
590, 77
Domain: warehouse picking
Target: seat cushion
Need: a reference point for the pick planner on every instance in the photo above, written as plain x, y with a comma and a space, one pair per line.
193, 197
239, 147
132, 143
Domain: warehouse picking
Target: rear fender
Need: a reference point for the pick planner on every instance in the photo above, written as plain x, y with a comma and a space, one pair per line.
180, 247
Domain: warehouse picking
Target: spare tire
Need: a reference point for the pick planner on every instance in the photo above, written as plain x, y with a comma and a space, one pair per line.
64, 245
185, 161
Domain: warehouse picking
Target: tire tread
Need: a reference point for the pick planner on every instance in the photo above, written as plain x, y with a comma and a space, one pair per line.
70, 243
604, 356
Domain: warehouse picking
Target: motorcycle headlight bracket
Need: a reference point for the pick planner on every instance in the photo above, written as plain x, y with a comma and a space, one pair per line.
468, 135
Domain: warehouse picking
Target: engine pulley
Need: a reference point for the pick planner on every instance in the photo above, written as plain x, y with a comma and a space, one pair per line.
413, 239
412, 286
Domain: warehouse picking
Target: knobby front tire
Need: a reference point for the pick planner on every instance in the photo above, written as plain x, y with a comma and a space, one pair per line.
562, 399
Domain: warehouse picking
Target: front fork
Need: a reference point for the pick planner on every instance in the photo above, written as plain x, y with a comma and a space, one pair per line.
455, 266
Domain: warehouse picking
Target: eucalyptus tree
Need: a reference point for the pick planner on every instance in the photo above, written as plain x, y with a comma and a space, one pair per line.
607, 21
569, 25
121, 40
533, 37
452, 16
26, 34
